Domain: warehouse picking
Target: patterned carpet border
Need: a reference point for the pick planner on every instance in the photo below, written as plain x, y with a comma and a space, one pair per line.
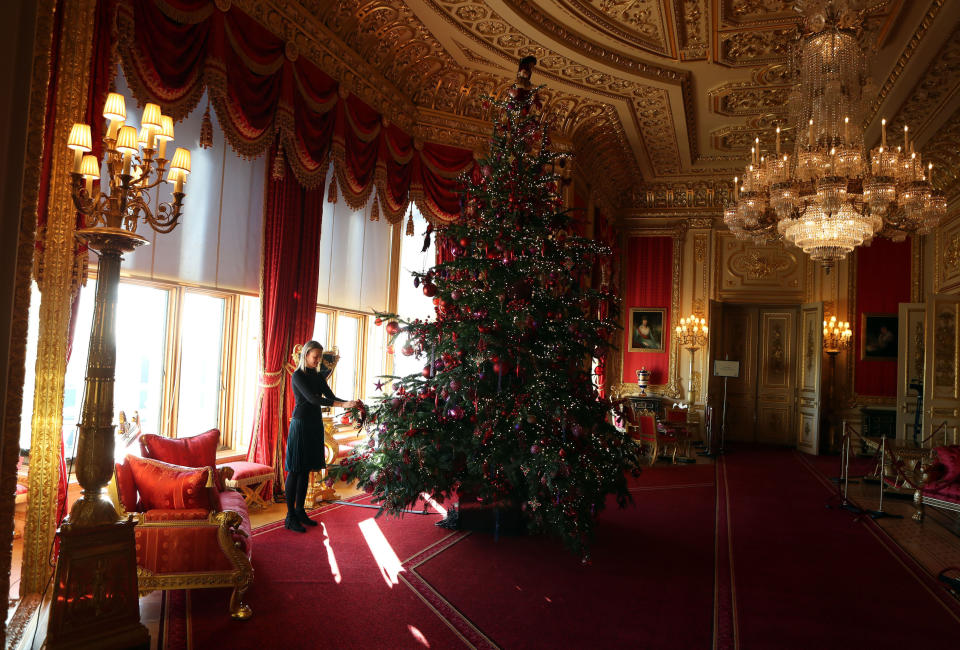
724, 601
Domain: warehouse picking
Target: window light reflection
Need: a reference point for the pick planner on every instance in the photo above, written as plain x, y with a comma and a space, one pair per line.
387, 560
331, 558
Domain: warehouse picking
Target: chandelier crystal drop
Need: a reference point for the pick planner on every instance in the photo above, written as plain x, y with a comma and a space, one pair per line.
828, 197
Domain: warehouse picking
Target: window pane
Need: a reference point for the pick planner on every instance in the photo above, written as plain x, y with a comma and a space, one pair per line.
141, 316
411, 303
376, 358
321, 328
29, 379
201, 347
77, 369
348, 343
247, 371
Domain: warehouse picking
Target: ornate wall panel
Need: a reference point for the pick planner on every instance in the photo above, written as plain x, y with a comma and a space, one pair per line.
947, 277
750, 273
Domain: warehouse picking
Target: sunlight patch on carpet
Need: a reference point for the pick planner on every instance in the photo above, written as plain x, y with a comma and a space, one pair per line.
436, 506
331, 558
383, 553
418, 635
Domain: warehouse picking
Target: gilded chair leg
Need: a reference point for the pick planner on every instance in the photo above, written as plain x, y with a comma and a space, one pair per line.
239, 611
918, 501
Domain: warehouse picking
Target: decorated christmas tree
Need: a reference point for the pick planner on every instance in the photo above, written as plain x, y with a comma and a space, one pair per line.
505, 410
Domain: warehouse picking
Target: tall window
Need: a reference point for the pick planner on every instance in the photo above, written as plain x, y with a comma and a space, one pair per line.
348, 341
201, 354
411, 303
141, 332
246, 371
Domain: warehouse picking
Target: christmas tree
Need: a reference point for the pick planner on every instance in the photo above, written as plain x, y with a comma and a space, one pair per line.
505, 410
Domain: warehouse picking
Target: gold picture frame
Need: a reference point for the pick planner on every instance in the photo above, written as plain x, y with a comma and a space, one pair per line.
648, 329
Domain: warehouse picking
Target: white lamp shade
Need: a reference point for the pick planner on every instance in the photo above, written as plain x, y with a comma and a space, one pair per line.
127, 140
151, 117
80, 139
144, 136
181, 160
90, 167
166, 132
173, 175
115, 109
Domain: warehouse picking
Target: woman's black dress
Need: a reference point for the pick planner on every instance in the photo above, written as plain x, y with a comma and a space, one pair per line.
305, 452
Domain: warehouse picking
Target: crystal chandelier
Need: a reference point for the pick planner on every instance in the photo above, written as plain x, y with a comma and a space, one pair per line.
827, 198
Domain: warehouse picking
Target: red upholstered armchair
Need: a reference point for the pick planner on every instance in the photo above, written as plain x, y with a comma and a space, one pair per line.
189, 533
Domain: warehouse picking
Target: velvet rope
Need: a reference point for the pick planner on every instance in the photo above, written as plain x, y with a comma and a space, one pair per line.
173, 50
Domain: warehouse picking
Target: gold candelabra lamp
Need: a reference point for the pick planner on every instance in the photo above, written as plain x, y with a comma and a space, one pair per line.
836, 336
95, 589
691, 334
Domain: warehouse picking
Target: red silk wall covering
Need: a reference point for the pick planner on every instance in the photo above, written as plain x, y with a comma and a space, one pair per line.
648, 282
883, 282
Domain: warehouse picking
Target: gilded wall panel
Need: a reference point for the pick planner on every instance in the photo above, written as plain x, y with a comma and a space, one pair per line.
747, 272
948, 258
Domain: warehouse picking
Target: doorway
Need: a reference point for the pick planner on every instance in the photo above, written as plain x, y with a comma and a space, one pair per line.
761, 401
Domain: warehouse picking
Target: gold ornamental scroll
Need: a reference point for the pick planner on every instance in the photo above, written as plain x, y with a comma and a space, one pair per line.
57, 282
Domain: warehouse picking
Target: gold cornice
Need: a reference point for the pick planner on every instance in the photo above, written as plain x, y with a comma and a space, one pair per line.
908, 51
13, 404
56, 284
604, 22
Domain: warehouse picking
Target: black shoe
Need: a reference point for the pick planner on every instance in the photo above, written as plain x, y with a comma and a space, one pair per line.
304, 519
294, 525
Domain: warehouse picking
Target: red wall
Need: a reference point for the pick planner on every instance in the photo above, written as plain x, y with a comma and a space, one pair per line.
648, 280
883, 282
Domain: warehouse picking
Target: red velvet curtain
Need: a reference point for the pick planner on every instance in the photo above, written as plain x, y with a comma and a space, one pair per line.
262, 89
649, 284
288, 303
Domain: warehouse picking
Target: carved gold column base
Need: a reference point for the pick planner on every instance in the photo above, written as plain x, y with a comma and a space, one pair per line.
95, 602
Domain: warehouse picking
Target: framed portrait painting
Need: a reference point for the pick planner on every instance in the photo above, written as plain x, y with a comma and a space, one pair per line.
647, 329
879, 340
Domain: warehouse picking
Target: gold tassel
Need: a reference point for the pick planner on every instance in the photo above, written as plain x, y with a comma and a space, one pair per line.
279, 168
332, 191
375, 210
206, 129
410, 222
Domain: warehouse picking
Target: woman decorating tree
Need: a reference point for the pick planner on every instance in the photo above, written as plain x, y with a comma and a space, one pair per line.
305, 451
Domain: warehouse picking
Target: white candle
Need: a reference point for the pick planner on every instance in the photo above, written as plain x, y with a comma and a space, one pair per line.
178, 186
89, 187
77, 159
883, 132
778, 141
846, 130
112, 129
736, 180
810, 135
906, 139
126, 162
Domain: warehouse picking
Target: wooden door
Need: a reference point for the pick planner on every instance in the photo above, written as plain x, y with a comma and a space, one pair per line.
714, 397
738, 342
941, 384
810, 357
909, 366
776, 376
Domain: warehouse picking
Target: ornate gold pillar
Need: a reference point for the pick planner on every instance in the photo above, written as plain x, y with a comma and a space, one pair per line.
57, 278
701, 229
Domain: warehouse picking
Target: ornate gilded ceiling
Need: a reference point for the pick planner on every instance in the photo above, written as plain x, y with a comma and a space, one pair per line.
658, 98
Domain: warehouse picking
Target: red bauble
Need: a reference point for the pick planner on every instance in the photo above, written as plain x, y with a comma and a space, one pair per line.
407, 350
393, 327
426, 370
378, 321
389, 349
345, 419
429, 289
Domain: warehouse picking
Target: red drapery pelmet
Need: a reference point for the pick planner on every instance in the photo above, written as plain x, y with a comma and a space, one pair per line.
288, 305
263, 90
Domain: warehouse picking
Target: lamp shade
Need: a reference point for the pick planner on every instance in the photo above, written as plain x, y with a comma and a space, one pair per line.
90, 167
115, 108
80, 139
144, 136
127, 140
181, 160
173, 175
166, 132
151, 117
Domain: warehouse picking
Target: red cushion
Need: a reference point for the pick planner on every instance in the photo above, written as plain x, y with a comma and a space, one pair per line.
169, 487
193, 451
949, 457
126, 487
243, 469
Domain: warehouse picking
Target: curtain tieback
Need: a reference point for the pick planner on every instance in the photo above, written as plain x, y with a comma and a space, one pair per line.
271, 379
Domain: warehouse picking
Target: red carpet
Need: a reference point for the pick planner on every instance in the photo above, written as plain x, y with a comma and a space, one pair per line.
803, 576
741, 555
